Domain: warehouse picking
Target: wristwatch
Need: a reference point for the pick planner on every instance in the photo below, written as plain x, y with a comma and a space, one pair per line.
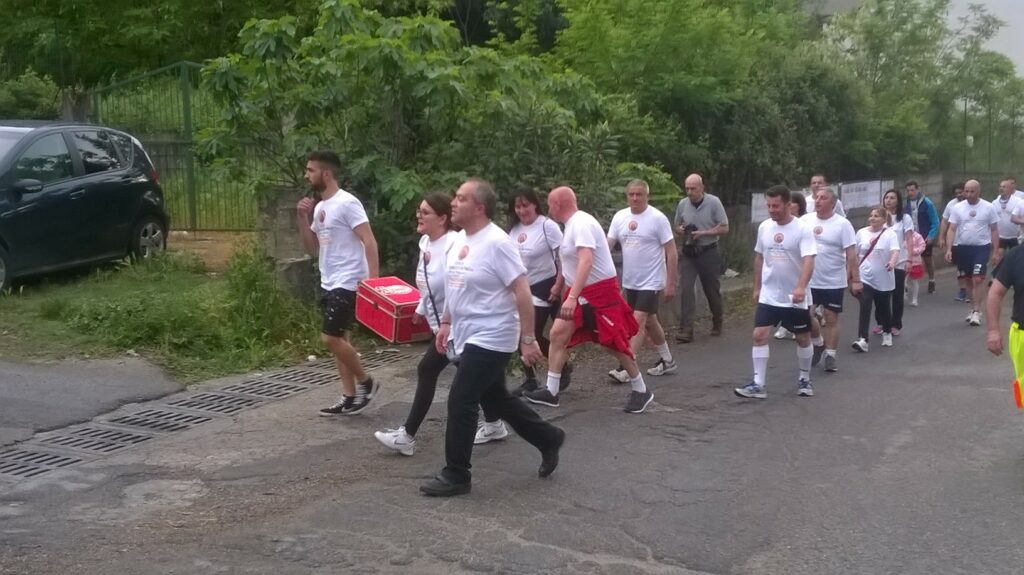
528, 340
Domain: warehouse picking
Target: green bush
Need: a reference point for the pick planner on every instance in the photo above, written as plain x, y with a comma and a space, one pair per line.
29, 97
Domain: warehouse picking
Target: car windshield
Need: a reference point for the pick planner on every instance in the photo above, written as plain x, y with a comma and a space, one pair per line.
8, 139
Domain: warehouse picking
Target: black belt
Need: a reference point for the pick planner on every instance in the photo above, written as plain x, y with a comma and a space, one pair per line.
694, 250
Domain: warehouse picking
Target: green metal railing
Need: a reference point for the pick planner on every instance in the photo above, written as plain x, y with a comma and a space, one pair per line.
164, 109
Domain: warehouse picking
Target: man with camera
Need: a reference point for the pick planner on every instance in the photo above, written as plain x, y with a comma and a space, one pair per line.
700, 220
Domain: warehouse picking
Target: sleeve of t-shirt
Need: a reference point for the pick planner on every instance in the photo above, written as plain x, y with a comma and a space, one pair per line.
720, 217
759, 245
808, 245
1018, 210
1005, 271
507, 263
587, 236
613, 228
948, 210
893, 240
954, 216
908, 223
679, 213
554, 235
353, 215
664, 230
993, 217
849, 235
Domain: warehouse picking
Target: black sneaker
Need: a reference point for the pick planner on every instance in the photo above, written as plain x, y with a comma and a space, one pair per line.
816, 358
364, 393
931, 286
638, 401
549, 456
563, 384
541, 397
343, 404
441, 486
530, 384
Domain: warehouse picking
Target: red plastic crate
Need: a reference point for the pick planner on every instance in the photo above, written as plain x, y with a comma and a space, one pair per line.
386, 306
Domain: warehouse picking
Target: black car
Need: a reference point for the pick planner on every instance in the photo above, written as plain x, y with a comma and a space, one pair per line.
73, 195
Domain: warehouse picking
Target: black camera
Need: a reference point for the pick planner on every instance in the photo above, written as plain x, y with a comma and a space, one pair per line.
688, 234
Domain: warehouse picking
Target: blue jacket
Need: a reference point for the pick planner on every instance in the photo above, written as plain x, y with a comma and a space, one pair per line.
927, 218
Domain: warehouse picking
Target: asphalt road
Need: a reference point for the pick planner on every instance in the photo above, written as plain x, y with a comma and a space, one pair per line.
909, 460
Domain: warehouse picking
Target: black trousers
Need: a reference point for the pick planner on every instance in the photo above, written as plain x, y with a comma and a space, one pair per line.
540, 321
429, 369
480, 380
706, 267
897, 299
883, 313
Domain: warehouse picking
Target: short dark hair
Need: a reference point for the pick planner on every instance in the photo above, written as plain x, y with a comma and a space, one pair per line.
958, 186
779, 191
911, 183
821, 174
528, 194
328, 158
441, 203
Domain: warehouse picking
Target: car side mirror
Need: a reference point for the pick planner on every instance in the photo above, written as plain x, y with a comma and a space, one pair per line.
22, 187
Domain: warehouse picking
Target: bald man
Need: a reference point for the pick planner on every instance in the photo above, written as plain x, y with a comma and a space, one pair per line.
700, 221
593, 308
974, 228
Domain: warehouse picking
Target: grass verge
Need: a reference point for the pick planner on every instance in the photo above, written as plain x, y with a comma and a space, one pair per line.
194, 325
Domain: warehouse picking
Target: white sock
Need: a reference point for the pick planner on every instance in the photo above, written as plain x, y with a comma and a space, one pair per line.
554, 380
759, 353
664, 352
803, 356
637, 383
817, 341
915, 285
830, 352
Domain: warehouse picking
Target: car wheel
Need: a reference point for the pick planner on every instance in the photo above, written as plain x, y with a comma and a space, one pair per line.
149, 238
5, 273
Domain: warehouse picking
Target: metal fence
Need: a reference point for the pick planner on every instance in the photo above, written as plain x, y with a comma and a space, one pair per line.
165, 109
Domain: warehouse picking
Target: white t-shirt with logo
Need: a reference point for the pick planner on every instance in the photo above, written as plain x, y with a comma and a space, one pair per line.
900, 228
872, 268
342, 254
431, 267
833, 236
480, 269
1006, 210
538, 245
974, 222
949, 208
643, 237
783, 249
583, 231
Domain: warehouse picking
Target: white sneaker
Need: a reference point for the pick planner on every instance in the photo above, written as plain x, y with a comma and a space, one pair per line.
783, 333
969, 317
620, 375
488, 432
397, 439
663, 367
861, 345
886, 340
913, 303
974, 318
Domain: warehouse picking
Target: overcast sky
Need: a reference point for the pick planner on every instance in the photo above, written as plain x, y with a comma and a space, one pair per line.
1010, 40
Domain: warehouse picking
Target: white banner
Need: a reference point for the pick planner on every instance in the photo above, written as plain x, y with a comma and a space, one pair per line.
758, 208
863, 194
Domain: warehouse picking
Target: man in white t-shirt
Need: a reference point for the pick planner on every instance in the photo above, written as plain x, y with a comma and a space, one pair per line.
819, 182
341, 232
958, 196
1010, 209
593, 308
487, 308
974, 228
783, 265
835, 267
1013, 184
648, 271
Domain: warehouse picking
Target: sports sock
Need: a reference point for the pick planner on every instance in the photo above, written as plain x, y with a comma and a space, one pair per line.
554, 380
803, 356
664, 352
830, 352
637, 383
759, 353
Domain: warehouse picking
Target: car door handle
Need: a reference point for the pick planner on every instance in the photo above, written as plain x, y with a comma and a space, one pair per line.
77, 194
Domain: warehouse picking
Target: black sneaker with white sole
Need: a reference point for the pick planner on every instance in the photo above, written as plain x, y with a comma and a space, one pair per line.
364, 393
339, 408
541, 397
530, 384
638, 401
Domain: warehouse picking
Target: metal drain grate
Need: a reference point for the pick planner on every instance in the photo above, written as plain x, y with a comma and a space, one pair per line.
160, 420
266, 389
96, 440
22, 464
383, 358
216, 403
299, 375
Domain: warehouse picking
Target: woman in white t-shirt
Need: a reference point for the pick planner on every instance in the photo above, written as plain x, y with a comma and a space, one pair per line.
902, 224
878, 251
538, 238
433, 220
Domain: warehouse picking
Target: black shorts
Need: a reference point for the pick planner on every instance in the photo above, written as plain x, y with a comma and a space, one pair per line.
338, 307
1008, 243
972, 261
643, 300
829, 298
794, 319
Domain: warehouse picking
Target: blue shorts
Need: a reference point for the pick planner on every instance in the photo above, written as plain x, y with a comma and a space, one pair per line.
972, 261
830, 298
794, 319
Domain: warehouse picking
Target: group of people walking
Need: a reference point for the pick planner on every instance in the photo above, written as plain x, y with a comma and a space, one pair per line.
549, 283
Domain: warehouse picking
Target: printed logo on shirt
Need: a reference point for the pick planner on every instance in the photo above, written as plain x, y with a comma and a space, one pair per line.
463, 252
778, 238
323, 215
818, 230
974, 213
632, 225
522, 238
426, 257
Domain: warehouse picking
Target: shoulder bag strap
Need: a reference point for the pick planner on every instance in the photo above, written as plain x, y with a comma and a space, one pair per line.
871, 248
430, 293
